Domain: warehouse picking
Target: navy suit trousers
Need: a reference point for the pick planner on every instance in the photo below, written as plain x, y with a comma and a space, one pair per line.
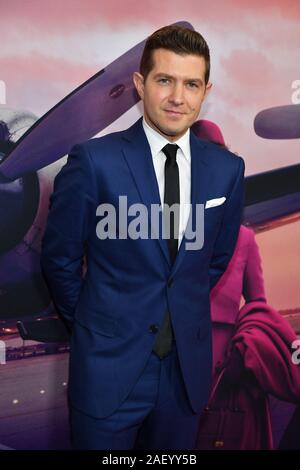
155, 415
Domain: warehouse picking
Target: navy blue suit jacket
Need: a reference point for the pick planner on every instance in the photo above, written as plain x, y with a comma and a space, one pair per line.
118, 306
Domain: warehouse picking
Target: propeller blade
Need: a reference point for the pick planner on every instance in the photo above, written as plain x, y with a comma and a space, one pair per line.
272, 198
281, 122
85, 112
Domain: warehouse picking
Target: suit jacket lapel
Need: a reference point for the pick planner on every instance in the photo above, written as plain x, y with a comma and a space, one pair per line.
138, 156
199, 189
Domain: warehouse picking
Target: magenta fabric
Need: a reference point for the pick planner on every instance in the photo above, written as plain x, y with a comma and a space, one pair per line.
262, 336
243, 277
208, 130
264, 339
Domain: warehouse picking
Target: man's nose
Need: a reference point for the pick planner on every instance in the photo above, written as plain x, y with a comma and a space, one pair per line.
177, 94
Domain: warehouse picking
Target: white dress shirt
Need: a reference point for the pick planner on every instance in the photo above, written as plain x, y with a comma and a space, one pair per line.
183, 158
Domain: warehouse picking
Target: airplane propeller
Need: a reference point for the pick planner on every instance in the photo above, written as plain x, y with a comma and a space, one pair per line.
82, 114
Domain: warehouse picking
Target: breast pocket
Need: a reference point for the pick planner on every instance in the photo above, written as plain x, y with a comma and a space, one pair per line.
213, 217
215, 210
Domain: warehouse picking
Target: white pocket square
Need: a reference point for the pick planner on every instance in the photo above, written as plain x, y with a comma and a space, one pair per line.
215, 202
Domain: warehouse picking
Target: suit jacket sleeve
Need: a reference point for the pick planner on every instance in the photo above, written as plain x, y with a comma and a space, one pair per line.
253, 282
71, 212
229, 230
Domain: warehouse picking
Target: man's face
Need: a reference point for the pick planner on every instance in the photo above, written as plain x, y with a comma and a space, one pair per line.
172, 92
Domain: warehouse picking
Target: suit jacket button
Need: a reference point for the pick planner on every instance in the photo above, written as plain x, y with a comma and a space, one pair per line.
170, 282
153, 328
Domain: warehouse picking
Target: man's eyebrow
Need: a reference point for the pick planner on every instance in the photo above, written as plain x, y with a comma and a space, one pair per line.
166, 75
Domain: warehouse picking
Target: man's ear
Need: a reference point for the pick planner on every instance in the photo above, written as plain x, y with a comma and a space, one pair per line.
207, 89
138, 80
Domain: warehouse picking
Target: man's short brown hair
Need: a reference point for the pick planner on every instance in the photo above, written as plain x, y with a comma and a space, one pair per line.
179, 40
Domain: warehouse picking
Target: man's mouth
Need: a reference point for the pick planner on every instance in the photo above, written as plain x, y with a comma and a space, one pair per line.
173, 112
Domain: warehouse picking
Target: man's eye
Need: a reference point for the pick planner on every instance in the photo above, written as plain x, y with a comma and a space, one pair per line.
192, 85
163, 80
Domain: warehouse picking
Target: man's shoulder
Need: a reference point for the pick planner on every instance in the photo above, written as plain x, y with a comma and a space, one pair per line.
219, 157
109, 141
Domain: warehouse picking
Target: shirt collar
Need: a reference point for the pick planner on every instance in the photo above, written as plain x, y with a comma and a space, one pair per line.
158, 141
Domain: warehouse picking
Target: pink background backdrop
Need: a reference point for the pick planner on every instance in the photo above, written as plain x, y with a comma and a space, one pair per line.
50, 48
255, 47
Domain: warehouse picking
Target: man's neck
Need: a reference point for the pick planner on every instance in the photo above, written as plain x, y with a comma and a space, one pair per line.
171, 139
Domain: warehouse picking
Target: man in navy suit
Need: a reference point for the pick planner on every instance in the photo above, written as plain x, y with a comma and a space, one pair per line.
140, 361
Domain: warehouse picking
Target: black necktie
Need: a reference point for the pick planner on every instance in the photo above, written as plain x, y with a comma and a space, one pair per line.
172, 195
163, 342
